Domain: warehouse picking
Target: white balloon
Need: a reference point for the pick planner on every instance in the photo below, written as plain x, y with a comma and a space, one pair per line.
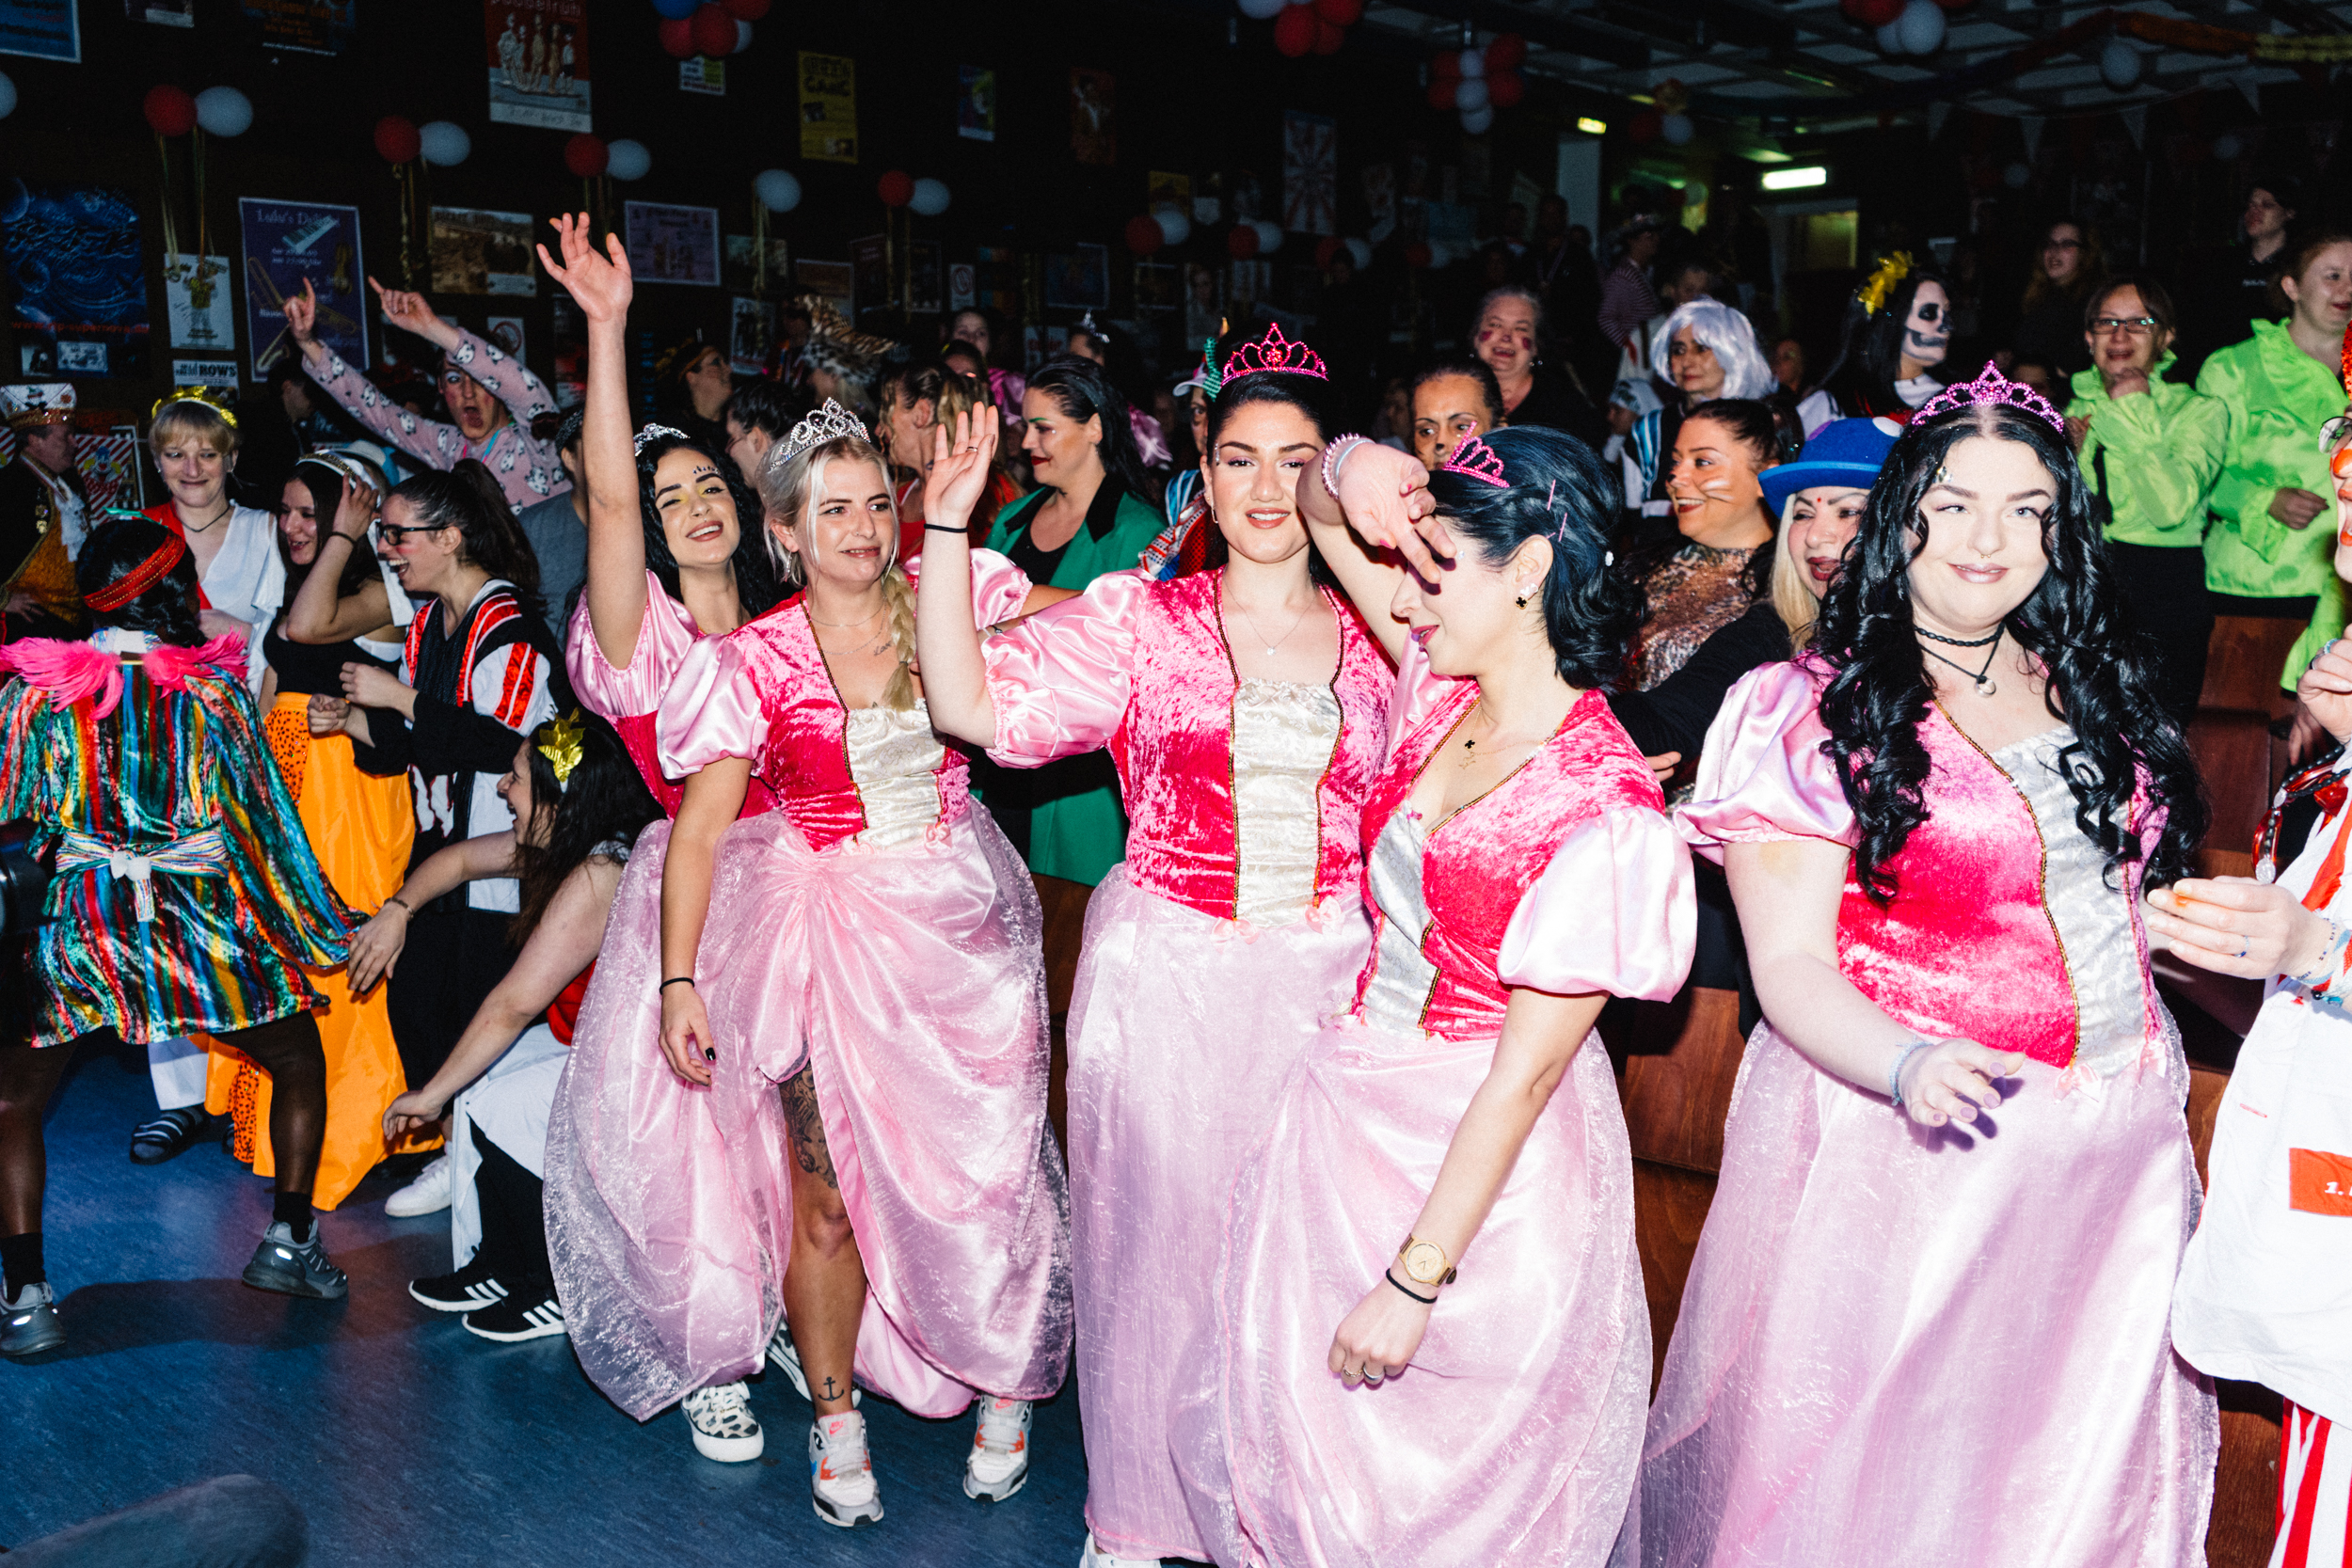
1207, 209
1175, 228
7, 96
931, 198
1262, 11
1890, 37
778, 190
1473, 65
1921, 27
224, 111
1269, 236
1480, 121
2226, 146
1471, 96
2016, 177
627, 160
444, 143
1361, 251
2120, 65
742, 36
1678, 129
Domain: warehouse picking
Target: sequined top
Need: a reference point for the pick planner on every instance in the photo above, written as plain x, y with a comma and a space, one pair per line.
1698, 591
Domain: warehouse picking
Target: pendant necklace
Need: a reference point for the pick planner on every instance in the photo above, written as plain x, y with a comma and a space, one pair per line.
1252, 622
1982, 678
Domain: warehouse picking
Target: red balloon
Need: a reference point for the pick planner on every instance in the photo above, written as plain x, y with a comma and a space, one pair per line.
396, 139
897, 188
714, 30
677, 37
1341, 13
746, 10
585, 155
1328, 247
1328, 37
1874, 14
1241, 241
1507, 52
1143, 235
1446, 67
1505, 87
1417, 255
1645, 126
1294, 30
1441, 91
169, 110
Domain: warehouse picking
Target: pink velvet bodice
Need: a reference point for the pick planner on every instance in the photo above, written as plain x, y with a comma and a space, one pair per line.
1968, 945
762, 691
1142, 668
1562, 878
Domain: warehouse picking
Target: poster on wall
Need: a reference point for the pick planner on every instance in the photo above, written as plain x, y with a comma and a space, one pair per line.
45, 29
199, 305
672, 245
925, 287
751, 335
1156, 289
869, 271
538, 57
219, 375
507, 332
1079, 279
569, 330
304, 27
477, 252
285, 243
1093, 115
78, 277
744, 271
1379, 186
1311, 173
107, 448
976, 102
700, 73
963, 286
163, 13
835, 282
828, 107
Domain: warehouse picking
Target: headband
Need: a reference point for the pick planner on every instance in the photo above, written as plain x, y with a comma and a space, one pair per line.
655, 433
204, 396
146, 575
1890, 272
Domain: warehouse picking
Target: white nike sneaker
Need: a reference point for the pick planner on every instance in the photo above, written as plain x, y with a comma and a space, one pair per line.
429, 1194
998, 1465
841, 1471
723, 1426
786, 1357
1095, 1556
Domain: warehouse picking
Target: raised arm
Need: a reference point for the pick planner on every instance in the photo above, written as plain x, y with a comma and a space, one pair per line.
714, 797
948, 635
608, 464
429, 441
1384, 492
318, 613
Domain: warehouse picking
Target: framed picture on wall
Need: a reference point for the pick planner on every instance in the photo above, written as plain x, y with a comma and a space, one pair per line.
924, 283
1157, 288
1079, 279
672, 245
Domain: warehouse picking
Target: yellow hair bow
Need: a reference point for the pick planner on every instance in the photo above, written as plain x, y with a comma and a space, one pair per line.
1892, 270
563, 747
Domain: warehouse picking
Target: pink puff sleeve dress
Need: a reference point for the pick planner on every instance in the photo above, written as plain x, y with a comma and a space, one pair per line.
1949, 1347
1514, 1436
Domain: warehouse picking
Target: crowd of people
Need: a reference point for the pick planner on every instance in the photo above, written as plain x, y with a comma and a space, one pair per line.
675, 848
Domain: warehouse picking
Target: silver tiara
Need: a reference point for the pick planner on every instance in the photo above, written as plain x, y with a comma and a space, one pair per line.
828, 424
655, 433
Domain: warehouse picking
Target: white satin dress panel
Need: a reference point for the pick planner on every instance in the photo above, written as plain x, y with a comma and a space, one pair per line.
895, 759
1284, 733
1402, 976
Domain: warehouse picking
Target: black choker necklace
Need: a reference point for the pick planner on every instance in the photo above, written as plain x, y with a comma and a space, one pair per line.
1983, 678
1956, 643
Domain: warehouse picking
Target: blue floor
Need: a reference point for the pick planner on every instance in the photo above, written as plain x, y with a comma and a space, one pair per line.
405, 1438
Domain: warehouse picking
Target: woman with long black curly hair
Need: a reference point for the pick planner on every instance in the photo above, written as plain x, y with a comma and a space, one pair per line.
1939, 1336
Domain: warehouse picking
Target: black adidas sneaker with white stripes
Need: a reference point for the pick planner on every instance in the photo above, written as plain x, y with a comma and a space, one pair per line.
526, 1315
469, 1290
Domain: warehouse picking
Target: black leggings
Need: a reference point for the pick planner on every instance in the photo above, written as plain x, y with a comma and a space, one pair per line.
288, 1051
513, 1223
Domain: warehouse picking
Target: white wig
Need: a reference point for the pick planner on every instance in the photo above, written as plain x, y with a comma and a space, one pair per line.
1717, 327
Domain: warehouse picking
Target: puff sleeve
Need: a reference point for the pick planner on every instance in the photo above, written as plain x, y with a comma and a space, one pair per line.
1613, 912
1762, 775
664, 634
712, 710
1060, 681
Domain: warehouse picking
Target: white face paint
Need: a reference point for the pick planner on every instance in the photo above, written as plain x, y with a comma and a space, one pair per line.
1927, 330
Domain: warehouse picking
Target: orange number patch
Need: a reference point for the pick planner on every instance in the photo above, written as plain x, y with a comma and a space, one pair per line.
2319, 1182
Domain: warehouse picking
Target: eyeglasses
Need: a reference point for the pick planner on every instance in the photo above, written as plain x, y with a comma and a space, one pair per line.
2062, 245
396, 535
2131, 326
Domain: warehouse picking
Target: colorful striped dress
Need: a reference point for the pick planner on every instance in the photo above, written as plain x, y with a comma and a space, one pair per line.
186, 899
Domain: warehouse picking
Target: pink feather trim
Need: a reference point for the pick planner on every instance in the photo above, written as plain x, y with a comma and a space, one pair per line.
169, 667
69, 671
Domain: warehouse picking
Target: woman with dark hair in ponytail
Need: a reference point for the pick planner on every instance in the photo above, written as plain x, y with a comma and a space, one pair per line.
183, 898
477, 675
1243, 706
1460, 1118
1957, 1183
1898, 330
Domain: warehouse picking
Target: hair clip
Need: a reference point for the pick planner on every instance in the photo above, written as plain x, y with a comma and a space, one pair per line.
1274, 352
1872, 294
1477, 460
655, 432
563, 747
829, 423
1992, 390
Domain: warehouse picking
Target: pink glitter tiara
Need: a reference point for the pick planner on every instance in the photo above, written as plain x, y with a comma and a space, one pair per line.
1989, 388
1477, 460
1274, 352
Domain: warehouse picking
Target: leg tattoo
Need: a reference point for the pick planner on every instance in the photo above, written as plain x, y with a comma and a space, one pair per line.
808, 1127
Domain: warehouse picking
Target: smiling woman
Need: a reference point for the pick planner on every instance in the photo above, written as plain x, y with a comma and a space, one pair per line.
1716, 562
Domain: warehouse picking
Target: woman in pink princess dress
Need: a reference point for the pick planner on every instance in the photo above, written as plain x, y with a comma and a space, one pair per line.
1243, 706
1936, 1333
1431, 1343
869, 948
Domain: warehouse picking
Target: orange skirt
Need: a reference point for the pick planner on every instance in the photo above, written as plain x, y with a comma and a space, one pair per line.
362, 827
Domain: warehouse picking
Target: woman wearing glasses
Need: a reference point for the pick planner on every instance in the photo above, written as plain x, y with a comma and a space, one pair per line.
2150, 449
2067, 269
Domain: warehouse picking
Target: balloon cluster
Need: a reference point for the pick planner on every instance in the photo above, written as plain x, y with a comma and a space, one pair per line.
588, 156
1306, 26
924, 197
438, 142
220, 111
1478, 82
1903, 27
691, 27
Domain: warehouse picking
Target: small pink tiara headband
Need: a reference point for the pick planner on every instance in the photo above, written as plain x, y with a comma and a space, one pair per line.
1989, 388
1476, 459
1274, 352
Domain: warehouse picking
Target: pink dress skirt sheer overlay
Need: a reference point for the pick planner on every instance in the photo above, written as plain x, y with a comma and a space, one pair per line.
1212, 954
1514, 1436
1943, 1349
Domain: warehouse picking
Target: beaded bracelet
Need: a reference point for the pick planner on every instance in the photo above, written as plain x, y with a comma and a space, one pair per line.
2326, 980
1335, 454
1895, 1074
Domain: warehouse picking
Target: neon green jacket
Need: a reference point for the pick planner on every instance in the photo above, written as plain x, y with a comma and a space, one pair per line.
2279, 398
2162, 450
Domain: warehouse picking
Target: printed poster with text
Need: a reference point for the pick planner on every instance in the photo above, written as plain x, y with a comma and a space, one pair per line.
828, 108
538, 52
304, 27
286, 241
77, 277
46, 29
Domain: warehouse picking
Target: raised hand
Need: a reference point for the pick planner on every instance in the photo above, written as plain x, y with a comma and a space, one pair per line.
356, 510
302, 315
602, 283
961, 459
2327, 688
1385, 494
409, 312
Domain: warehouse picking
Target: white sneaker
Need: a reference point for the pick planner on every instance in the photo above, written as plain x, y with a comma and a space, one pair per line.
786, 1357
429, 1194
1093, 1555
723, 1423
998, 1465
841, 1471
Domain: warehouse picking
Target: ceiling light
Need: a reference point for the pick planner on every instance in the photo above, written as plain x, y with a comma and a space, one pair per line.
1795, 178
1592, 127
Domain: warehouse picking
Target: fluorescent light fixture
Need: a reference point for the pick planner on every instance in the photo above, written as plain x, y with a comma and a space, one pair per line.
1802, 178
1592, 127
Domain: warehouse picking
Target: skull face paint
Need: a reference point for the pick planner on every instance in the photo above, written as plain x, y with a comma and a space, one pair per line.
1927, 330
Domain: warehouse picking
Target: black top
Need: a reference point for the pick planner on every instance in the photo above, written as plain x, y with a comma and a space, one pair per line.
1039, 566
2052, 333
1554, 402
1673, 715
307, 669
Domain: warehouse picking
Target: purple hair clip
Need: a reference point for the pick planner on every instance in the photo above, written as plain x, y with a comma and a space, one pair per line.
1477, 460
1993, 389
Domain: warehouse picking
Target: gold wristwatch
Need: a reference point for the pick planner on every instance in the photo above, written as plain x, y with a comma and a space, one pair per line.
1425, 1263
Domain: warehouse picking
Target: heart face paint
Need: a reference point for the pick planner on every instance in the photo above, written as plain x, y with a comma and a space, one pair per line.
1927, 330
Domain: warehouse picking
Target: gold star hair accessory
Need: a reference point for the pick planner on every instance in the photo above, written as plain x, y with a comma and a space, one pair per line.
1882, 283
563, 746
205, 395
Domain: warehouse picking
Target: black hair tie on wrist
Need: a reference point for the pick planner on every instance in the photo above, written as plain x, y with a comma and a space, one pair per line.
675, 981
1425, 1301
943, 528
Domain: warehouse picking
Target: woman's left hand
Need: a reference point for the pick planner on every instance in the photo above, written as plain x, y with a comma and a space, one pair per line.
2235, 926
410, 1113
365, 686
1379, 1338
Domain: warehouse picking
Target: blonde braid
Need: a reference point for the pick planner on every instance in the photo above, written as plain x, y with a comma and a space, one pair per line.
898, 597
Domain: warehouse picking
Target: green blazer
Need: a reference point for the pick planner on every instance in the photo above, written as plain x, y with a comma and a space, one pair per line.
1077, 829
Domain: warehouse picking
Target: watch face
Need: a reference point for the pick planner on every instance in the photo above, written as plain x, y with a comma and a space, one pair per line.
1425, 1263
